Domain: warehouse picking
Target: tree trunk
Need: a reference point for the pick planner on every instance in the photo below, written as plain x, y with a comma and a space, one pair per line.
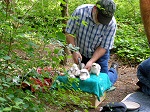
64, 13
145, 14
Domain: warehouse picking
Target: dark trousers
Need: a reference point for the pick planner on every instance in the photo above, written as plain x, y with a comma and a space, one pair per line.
143, 74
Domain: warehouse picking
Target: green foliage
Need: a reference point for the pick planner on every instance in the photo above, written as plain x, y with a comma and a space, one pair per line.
130, 41
65, 92
128, 11
127, 44
31, 37
14, 99
75, 3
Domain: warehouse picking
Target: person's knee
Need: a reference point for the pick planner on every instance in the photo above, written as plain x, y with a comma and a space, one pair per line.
143, 69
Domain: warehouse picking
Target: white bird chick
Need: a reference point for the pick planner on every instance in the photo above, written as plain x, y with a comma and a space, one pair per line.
72, 76
84, 74
95, 69
74, 71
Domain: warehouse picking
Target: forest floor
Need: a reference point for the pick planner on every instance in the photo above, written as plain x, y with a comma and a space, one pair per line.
125, 84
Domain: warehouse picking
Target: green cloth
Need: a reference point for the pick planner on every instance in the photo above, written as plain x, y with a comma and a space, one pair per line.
95, 84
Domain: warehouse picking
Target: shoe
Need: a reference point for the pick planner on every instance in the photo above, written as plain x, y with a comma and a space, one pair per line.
115, 66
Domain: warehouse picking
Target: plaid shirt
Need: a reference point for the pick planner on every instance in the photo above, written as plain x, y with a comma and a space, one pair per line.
89, 35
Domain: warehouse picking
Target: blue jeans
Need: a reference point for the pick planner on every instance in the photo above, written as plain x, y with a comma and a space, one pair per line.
143, 74
103, 62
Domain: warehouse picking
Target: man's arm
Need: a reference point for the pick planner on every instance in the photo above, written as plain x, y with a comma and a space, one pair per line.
70, 39
99, 52
75, 55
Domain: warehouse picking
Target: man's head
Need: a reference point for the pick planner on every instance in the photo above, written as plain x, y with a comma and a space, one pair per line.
105, 11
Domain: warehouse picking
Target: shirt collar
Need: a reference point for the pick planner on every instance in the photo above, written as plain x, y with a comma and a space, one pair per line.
90, 13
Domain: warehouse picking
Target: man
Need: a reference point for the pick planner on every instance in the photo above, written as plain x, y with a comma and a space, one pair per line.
94, 28
143, 74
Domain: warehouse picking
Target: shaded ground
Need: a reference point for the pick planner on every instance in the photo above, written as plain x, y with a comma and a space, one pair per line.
125, 84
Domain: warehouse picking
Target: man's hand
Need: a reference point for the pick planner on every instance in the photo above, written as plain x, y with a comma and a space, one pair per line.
99, 52
75, 56
88, 65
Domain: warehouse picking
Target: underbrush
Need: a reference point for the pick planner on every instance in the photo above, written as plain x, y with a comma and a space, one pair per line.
130, 46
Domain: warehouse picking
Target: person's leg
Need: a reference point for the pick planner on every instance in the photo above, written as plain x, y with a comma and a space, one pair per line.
103, 62
113, 75
145, 89
143, 74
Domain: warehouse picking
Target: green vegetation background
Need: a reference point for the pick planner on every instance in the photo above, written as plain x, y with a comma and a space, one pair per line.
27, 30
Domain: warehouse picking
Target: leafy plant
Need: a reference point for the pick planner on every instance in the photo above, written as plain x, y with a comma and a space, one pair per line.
31, 37
130, 41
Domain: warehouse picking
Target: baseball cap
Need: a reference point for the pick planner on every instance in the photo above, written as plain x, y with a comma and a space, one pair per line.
106, 10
